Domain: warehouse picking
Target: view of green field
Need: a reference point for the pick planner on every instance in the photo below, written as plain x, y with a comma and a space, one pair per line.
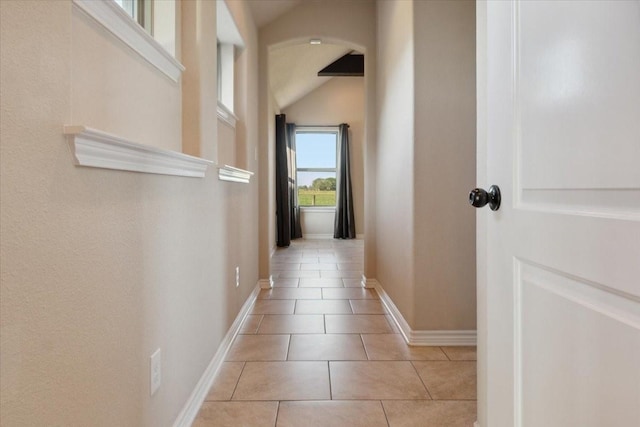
316, 198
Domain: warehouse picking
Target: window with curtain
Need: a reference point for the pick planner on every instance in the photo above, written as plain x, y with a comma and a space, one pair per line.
316, 153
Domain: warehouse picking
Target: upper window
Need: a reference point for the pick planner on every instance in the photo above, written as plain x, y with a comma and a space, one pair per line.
226, 84
122, 18
140, 10
316, 166
230, 43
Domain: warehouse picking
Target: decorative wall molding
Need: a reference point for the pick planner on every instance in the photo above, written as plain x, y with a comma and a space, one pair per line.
93, 148
192, 406
113, 18
229, 173
423, 338
226, 115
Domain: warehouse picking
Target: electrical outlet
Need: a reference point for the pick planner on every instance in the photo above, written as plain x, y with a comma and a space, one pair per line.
155, 372
237, 276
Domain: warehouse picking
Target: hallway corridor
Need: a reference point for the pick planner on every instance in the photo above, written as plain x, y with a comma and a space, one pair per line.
319, 350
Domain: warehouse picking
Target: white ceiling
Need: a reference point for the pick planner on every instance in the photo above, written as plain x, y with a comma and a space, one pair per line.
293, 70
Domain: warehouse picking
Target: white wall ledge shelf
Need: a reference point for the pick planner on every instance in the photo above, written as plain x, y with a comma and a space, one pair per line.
93, 148
116, 21
229, 173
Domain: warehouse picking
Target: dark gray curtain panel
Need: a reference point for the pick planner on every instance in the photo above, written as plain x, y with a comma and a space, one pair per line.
296, 228
283, 200
344, 225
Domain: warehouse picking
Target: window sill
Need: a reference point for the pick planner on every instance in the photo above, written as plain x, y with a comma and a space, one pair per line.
120, 24
93, 148
226, 115
318, 209
229, 173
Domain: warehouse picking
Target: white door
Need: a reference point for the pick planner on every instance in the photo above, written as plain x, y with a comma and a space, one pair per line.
559, 262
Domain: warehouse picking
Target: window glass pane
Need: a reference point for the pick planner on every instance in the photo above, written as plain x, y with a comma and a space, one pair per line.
316, 150
129, 6
316, 188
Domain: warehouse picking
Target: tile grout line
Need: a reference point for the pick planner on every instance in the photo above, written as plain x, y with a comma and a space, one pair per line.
259, 324
277, 414
288, 348
384, 411
421, 380
330, 388
244, 364
365, 347
445, 353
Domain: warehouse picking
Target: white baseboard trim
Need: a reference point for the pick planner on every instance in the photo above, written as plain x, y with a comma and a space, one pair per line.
266, 283
402, 324
193, 404
326, 236
423, 338
449, 338
368, 283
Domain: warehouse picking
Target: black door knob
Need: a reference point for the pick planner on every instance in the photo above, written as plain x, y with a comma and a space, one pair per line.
479, 197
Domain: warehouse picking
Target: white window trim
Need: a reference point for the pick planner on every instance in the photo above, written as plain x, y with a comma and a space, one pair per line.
318, 209
93, 148
318, 129
226, 115
116, 20
229, 41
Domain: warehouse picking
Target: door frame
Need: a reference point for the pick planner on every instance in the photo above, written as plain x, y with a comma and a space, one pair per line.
481, 215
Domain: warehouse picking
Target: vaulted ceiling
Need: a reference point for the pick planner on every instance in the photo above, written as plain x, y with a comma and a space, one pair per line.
293, 70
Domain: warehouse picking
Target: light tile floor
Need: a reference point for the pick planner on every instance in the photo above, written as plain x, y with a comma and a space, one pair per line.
318, 350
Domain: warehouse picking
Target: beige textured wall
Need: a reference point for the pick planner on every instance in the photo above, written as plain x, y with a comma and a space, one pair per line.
199, 80
426, 161
316, 223
120, 102
445, 172
335, 21
267, 193
340, 100
395, 167
226, 144
246, 83
99, 268
243, 201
